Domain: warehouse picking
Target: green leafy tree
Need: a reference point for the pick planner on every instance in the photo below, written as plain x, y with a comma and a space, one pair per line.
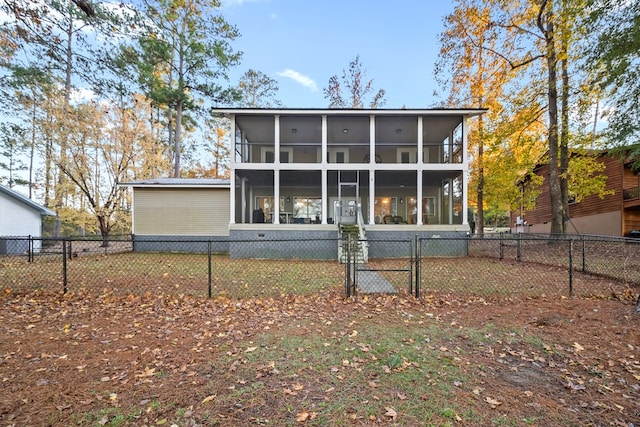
13, 146
185, 49
614, 63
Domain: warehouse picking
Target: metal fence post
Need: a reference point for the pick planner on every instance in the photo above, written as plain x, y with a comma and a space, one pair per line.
347, 265
418, 266
519, 248
501, 247
30, 249
209, 263
353, 251
64, 266
571, 267
412, 247
584, 255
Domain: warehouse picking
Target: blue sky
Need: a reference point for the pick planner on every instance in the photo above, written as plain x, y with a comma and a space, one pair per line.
302, 43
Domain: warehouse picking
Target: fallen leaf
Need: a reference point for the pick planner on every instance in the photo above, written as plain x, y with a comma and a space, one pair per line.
391, 413
209, 398
493, 402
250, 349
578, 347
302, 417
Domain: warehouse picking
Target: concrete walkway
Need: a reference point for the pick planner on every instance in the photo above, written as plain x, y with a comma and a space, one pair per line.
371, 282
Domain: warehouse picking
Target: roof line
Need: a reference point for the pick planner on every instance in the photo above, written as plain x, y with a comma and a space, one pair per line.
353, 111
27, 201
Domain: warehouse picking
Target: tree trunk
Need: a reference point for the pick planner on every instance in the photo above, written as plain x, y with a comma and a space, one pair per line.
564, 132
480, 215
105, 229
177, 143
555, 190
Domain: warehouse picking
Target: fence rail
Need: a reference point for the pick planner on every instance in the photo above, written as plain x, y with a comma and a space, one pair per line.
504, 265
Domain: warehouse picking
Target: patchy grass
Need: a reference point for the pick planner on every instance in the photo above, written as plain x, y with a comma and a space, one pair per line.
317, 359
173, 273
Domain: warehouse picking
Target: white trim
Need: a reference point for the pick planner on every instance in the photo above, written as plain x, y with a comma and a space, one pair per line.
352, 112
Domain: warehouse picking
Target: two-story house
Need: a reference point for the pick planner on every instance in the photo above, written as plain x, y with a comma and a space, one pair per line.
298, 173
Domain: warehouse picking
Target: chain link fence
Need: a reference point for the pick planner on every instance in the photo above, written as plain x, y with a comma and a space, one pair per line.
505, 265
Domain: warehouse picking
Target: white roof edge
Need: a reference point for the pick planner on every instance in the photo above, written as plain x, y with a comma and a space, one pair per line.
180, 182
140, 185
354, 111
27, 201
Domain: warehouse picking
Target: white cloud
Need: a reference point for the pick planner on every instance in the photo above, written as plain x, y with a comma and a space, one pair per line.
299, 78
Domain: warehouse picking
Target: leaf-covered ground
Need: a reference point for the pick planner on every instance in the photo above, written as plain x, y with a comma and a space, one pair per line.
318, 359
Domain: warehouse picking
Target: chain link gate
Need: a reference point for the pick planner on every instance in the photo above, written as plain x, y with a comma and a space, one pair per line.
363, 277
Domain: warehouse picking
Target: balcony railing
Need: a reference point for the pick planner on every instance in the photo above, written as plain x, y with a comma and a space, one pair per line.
631, 193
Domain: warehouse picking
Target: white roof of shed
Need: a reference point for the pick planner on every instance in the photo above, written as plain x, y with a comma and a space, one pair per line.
180, 182
26, 201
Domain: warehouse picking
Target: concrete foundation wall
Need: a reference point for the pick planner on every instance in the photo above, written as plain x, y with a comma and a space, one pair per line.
191, 244
308, 243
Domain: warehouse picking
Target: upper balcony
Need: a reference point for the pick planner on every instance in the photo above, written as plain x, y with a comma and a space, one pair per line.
348, 139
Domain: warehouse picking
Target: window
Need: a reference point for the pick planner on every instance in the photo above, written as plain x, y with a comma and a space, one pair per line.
338, 155
406, 155
265, 203
268, 155
385, 209
307, 209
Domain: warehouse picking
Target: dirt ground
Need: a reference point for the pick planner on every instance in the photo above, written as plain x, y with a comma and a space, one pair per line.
151, 360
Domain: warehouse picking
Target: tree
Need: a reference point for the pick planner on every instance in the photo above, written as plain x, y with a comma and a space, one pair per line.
56, 39
257, 90
614, 64
357, 89
12, 146
106, 145
475, 77
185, 50
217, 130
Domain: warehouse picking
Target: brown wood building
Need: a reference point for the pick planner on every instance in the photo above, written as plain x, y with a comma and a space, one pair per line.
616, 214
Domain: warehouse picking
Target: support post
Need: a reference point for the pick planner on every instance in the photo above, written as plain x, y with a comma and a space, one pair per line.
209, 264
64, 266
571, 268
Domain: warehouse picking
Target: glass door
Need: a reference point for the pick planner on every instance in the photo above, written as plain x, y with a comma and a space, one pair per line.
348, 199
